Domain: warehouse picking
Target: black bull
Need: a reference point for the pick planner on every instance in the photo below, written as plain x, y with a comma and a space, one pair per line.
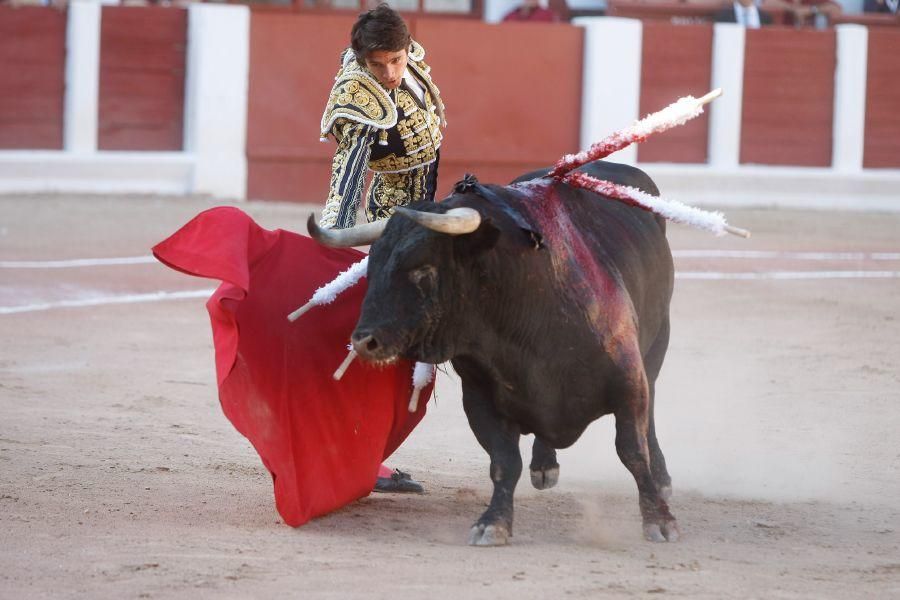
546, 337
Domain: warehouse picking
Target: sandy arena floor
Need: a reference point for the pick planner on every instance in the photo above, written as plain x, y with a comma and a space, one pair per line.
778, 411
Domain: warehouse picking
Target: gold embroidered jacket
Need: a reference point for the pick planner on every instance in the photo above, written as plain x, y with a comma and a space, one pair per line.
393, 133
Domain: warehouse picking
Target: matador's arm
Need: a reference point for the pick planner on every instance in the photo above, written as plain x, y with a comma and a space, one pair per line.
348, 173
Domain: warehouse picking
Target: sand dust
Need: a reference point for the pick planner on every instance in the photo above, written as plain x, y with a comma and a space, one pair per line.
777, 411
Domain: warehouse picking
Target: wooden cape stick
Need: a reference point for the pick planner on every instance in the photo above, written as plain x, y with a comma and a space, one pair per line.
344, 365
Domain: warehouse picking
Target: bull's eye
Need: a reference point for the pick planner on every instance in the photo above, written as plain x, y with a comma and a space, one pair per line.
424, 278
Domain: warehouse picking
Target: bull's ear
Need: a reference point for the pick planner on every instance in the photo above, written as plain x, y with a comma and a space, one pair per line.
479, 241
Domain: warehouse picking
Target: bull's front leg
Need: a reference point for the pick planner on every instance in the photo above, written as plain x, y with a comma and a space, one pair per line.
632, 428
500, 438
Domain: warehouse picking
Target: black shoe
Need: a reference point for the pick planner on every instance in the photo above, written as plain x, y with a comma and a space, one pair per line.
398, 483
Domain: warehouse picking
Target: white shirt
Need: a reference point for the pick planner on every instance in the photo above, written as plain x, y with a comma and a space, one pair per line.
747, 16
414, 86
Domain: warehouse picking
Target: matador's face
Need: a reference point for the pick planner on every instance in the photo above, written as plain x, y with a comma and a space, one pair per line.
387, 66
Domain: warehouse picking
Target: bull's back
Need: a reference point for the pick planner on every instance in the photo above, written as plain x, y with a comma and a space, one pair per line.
628, 242
609, 171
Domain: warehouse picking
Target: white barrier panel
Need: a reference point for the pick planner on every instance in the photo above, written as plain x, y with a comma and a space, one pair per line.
724, 148
215, 115
850, 98
611, 86
80, 113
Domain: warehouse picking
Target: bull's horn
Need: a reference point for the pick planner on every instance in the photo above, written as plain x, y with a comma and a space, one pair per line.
455, 221
361, 235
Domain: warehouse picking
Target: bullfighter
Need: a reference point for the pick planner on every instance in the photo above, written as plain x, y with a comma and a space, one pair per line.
386, 114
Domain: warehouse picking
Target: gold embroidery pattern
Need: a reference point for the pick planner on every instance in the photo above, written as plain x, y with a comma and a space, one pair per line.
348, 171
357, 96
421, 134
398, 164
390, 190
424, 72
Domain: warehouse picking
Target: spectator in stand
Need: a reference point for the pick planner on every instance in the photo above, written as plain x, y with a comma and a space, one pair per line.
744, 12
881, 6
531, 10
816, 13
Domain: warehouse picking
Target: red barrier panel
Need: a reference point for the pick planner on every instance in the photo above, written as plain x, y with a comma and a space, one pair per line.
788, 102
32, 79
676, 61
293, 60
141, 97
512, 94
882, 138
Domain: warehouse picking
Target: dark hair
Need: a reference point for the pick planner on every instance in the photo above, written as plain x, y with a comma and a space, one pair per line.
381, 28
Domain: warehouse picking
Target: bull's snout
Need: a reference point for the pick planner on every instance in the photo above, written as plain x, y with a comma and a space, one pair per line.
366, 345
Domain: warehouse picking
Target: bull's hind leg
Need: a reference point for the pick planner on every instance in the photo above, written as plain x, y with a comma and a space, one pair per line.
500, 439
632, 425
652, 364
657, 460
544, 468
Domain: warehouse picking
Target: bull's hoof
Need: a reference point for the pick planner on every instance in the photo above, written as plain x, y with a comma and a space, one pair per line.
544, 479
666, 531
488, 535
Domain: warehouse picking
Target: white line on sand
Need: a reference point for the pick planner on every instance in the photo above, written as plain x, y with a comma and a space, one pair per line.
76, 262
104, 300
758, 254
787, 275
771, 254
688, 275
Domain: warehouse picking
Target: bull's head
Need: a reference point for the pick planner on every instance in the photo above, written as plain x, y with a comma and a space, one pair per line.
419, 279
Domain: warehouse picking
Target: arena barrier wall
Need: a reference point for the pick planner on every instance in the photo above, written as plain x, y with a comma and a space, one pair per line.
807, 118
140, 112
33, 56
675, 62
882, 121
788, 97
293, 60
142, 69
498, 93
819, 166
513, 105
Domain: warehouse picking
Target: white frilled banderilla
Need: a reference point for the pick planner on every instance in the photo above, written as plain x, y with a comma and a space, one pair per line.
330, 291
677, 113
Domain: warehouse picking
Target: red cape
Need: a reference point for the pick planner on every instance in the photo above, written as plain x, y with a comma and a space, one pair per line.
322, 440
